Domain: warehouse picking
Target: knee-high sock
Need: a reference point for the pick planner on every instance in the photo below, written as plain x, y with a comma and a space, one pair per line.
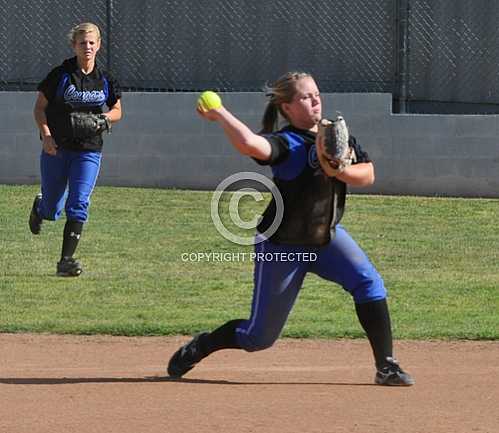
223, 337
375, 319
71, 237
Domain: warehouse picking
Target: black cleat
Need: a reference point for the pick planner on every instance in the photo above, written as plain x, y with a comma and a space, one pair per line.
392, 375
69, 267
185, 358
35, 222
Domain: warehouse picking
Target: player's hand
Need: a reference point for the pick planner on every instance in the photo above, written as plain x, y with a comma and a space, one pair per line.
49, 146
211, 115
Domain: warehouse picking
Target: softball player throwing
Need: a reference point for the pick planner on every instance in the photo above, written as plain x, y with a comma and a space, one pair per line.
313, 207
69, 115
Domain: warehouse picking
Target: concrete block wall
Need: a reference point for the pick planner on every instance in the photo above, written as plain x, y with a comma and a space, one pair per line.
162, 142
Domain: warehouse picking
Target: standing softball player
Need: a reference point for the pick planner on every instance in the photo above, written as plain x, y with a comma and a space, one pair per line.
313, 207
69, 115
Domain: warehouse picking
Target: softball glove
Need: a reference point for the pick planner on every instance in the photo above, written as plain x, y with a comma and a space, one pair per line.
89, 124
332, 145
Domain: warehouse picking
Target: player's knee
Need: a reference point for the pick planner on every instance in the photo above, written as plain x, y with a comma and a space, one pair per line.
77, 213
369, 288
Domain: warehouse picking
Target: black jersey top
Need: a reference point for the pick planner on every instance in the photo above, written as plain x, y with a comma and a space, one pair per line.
67, 90
313, 202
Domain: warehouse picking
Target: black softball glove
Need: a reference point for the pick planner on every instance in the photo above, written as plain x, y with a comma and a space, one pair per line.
89, 124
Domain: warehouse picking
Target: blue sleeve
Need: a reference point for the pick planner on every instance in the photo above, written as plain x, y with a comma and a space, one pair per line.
112, 90
296, 159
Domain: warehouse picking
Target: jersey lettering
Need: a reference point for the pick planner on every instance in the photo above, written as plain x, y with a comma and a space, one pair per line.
83, 97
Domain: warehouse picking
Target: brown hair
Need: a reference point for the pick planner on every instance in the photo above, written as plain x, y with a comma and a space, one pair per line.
82, 28
283, 90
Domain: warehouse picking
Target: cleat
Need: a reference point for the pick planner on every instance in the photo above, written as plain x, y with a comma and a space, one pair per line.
392, 375
185, 358
69, 267
35, 222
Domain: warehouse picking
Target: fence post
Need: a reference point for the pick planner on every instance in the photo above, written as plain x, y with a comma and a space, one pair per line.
402, 9
109, 12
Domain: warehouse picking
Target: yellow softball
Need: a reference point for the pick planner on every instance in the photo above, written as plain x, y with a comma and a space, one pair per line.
209, 100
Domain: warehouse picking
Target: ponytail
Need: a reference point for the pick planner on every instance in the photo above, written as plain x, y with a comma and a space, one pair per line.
270, 118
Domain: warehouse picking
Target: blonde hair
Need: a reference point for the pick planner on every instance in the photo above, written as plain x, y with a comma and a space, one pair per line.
82, 28
282, 91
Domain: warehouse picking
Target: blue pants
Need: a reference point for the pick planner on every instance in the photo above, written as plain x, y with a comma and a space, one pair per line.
277, 283
68, 179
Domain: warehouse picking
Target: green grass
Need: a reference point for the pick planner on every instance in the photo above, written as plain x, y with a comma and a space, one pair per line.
439, 258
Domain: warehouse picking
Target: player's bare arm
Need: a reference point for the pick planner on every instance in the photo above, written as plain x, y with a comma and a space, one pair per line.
361, 174
242, 138
48, 142
115, 114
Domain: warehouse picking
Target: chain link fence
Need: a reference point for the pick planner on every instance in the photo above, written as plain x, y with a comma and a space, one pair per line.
34, 37
453, 52
421, 51
175, 45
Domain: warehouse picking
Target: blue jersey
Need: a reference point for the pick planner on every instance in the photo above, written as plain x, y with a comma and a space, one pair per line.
313, 202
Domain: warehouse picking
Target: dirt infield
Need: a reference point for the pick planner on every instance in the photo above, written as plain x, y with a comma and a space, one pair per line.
62, 384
